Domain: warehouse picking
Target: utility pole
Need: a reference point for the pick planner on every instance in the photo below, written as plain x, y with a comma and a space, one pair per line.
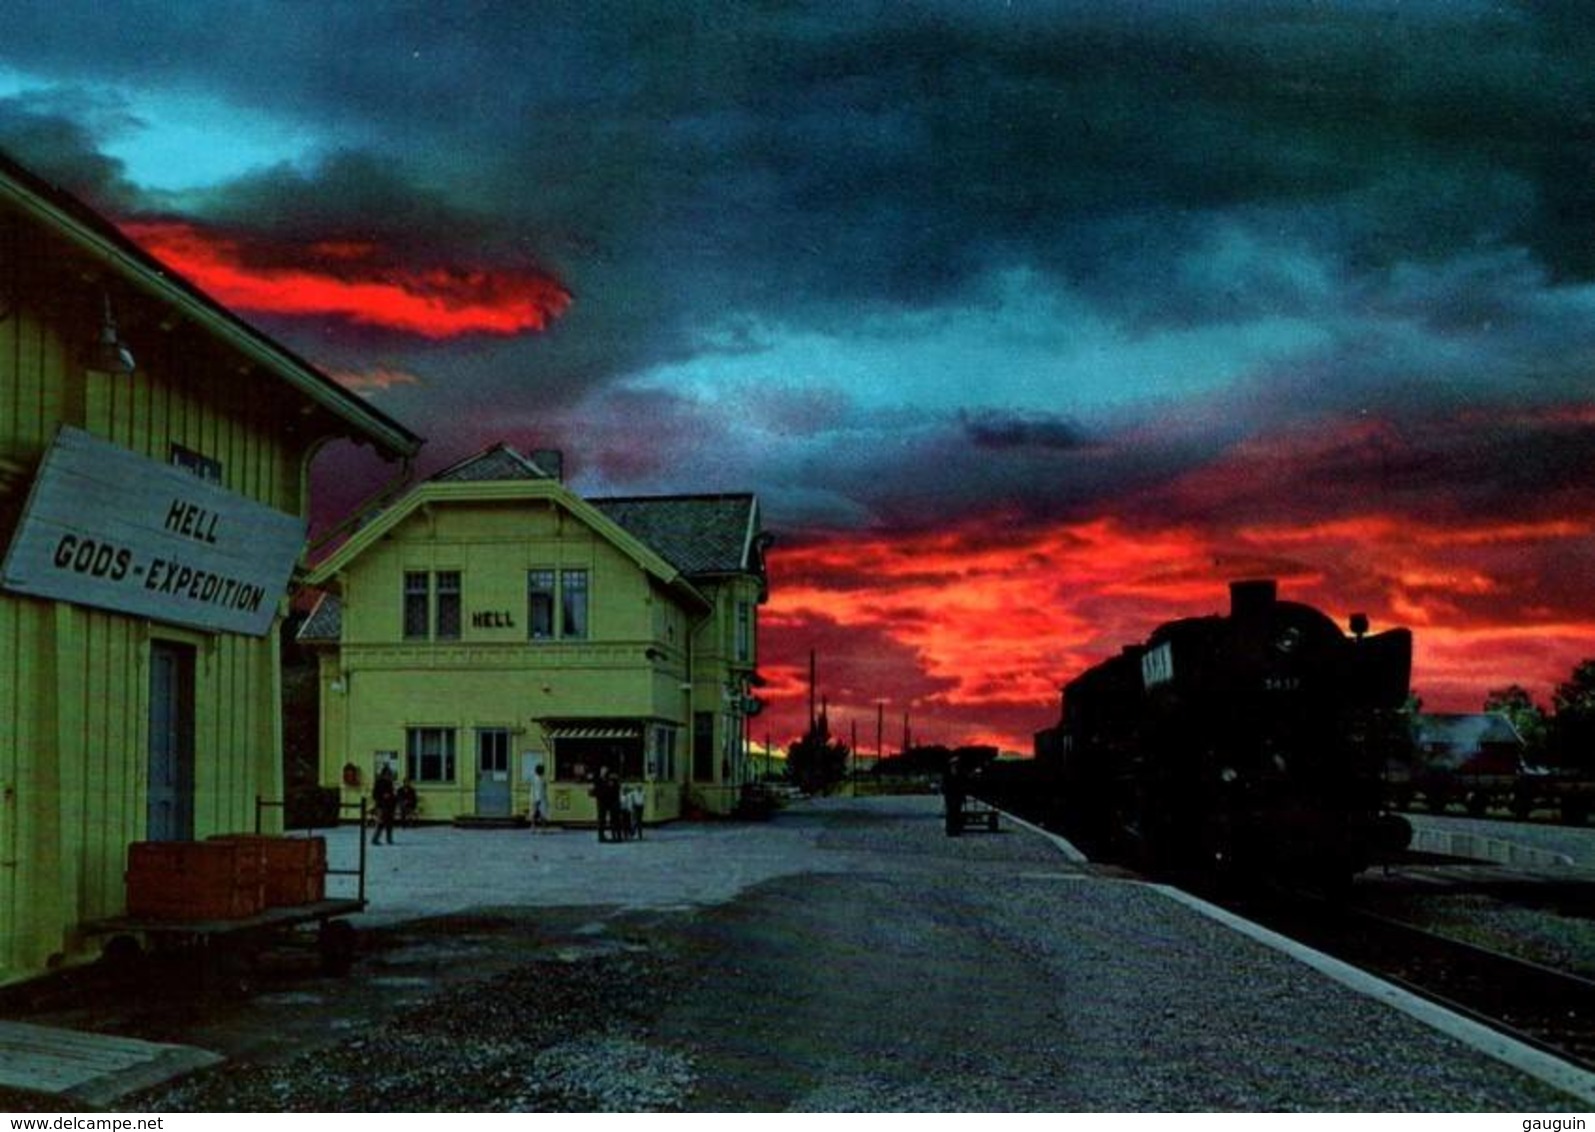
880, 729
811, 689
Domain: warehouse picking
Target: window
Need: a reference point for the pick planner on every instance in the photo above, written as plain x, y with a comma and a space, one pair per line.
492, 750
662, 754
568, 597
578, 760
573, 604
448, 610
420, 614
703, 746
200, 465
540, 605
744, 631
429, 754
417, 596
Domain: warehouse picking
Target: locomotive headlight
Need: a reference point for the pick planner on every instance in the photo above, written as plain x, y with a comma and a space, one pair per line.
1288, 640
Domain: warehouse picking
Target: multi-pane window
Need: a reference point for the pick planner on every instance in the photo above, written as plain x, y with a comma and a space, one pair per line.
492, 750
417, 596
564, 591
429, 754
573, 604
448, 607
540, 605
425, 618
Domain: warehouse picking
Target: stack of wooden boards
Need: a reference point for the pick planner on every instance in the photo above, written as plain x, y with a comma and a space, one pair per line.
231, 876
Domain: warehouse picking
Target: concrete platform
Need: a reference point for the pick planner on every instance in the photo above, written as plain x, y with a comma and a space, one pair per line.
95, 1069
846, 955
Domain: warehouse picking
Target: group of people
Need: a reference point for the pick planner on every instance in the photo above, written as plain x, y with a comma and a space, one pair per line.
395, 803
620, 807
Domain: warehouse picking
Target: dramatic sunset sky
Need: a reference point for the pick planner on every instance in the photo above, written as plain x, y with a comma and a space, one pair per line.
1032, 322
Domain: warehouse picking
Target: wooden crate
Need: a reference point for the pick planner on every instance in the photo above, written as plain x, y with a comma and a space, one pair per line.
195, 880
295, 867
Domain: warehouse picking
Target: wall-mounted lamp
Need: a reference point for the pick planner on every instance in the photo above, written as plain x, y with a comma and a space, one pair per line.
652, 653
110, 353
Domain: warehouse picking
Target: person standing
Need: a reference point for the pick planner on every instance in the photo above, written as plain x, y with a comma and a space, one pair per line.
953, 790
606, 797
386, 797
539, 799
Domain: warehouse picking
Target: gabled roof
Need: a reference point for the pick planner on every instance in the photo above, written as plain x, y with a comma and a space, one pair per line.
501, 491
700, 534
99, 238
500, 462
325, 622
1465, 732
678, 538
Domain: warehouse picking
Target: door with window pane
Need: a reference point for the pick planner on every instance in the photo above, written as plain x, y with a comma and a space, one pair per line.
493, 772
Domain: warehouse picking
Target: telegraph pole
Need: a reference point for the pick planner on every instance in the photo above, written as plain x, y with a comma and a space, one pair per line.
811, 690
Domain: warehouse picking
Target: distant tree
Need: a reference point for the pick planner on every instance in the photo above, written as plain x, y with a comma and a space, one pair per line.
1573, 729
1576, 695
1515, 702
816, 762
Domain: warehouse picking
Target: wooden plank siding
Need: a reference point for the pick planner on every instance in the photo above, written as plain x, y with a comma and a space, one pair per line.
75, 681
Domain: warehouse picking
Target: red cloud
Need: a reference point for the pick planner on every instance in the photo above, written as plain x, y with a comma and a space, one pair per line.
435, 303
980, 634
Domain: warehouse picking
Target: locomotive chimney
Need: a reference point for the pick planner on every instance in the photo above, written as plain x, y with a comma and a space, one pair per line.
1252, 598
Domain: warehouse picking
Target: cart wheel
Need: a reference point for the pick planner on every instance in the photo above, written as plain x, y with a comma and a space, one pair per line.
337, 944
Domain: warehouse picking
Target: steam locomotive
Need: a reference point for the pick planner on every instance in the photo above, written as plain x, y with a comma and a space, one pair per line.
1246, 746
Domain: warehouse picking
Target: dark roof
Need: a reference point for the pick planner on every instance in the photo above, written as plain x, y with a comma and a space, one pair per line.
1465, 732
500, 462
700, 535
697, 534
325, 622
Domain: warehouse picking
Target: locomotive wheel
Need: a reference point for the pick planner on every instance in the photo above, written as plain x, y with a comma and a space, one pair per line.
1478, 804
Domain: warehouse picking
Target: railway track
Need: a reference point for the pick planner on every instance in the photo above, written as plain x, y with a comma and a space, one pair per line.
1541, 1006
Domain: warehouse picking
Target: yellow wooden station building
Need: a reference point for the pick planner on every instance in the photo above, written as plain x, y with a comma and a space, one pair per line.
154, 461
494, 621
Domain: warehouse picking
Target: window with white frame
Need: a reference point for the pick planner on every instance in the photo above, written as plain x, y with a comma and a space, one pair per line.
573, 604
540, 605
429, 754
417, 598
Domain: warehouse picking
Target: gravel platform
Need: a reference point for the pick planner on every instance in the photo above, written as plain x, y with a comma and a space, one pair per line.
849, 957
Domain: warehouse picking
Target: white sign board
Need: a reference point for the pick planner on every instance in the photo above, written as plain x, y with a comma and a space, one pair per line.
112, 529
1157, 665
